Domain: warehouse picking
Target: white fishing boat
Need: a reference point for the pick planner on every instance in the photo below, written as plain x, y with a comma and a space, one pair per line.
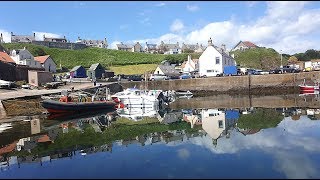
138, 113
183, 94
133, 97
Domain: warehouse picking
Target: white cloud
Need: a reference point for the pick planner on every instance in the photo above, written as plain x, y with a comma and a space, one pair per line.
124, 26
177, 25
251, 3
160, 4
39, 35
183, 153
113, 45
286, 26
145, 20
192, 8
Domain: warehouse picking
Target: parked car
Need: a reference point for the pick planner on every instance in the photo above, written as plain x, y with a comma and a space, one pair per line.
173, 77
185, 76
284, 69
135, 78
250, 71
155, 77
260, 72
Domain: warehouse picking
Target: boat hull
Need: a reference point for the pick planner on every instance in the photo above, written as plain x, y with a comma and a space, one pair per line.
67, 107
308, 89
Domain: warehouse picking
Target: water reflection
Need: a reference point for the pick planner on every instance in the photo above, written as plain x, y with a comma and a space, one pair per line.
280, 142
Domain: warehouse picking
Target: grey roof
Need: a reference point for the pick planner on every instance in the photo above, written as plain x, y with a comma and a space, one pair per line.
125, 46
93, 67
22, 38
57, 39
92, 42
170, 46
190, 46
75, 68
151, 46
222, 52
168, 70
172, 117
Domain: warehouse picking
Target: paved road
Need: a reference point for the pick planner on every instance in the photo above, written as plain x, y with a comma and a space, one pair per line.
17, 93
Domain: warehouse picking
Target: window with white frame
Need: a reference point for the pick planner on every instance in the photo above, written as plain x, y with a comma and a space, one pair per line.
217, 60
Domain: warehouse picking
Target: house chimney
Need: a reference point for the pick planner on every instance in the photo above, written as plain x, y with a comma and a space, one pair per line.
79, 38
210, 42
189, 57
64, 37
11, 33
34, 35
223, 47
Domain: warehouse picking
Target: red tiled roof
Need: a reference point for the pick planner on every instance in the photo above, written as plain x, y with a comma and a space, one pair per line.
44, 138
41, 59
249, 44
5, 57
8, 148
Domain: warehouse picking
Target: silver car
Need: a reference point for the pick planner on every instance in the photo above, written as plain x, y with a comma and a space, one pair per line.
155, 77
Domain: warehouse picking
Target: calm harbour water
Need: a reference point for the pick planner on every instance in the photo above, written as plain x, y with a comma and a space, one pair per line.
278, 142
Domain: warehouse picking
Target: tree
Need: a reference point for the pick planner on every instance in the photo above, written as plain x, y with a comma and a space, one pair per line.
293, 60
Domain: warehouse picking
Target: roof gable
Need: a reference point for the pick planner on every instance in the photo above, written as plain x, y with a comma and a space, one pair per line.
168, 69
94, 66
75, 68
249, 44
41, 59
5, 57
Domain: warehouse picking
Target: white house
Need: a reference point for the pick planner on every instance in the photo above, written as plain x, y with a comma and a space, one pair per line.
214, 123
24, 57
190, 65
213, 60
47, 63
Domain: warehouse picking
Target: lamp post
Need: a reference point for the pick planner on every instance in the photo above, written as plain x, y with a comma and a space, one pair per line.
281, 58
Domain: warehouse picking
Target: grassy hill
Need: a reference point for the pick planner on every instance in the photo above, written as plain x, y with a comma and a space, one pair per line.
259, 58
88, 56
122, 62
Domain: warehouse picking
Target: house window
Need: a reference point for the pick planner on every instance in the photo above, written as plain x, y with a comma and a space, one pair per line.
217, 60
220, 124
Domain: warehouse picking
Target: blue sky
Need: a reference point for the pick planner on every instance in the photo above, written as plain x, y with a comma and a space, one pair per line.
287, 26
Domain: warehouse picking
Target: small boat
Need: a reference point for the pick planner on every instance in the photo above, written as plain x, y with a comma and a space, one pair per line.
70, 107
183, 94
308, 88
133, 97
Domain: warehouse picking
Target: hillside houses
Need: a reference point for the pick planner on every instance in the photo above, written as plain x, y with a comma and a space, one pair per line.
129, 47
151, 48
50, 39
164, 48
22, 38
243, 45
93, 43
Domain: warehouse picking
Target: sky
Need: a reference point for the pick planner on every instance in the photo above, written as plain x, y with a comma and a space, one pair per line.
287, 26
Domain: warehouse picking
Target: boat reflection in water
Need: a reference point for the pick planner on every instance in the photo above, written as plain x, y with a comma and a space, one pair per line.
186, 139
